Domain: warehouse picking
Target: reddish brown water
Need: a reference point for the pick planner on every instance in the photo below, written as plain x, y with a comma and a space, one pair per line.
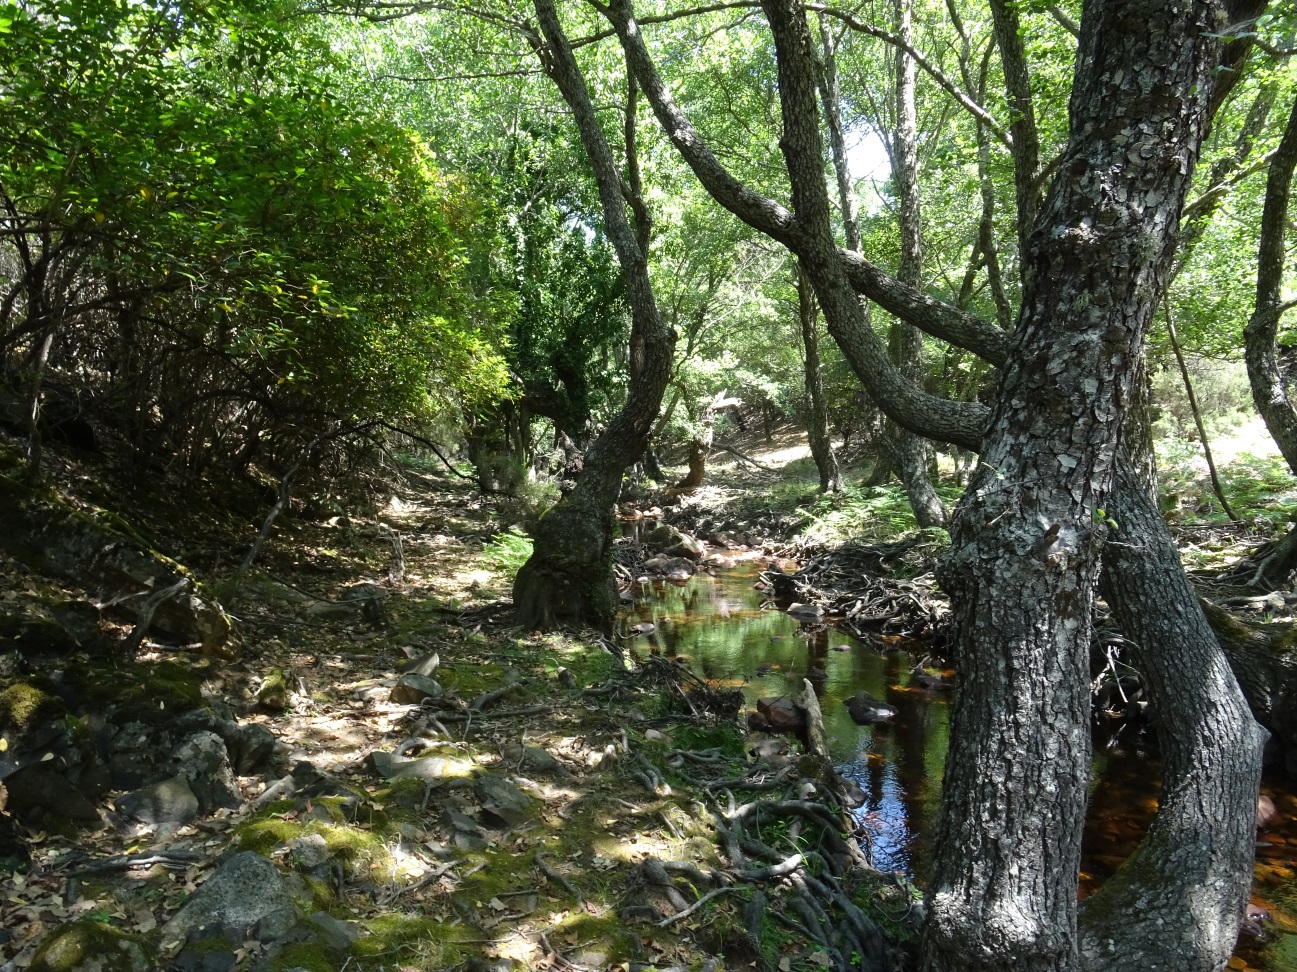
719, 624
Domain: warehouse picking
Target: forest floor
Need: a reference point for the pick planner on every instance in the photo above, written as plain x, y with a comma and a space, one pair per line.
549, 803
548, 806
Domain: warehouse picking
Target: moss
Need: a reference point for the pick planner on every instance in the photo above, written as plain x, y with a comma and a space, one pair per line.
469, 680
152, 692
405, 792
273, 694
301, 955
423, 942
364, 852
70, 947
24, 705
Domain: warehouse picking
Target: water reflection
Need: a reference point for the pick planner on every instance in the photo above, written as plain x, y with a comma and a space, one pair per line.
718, 624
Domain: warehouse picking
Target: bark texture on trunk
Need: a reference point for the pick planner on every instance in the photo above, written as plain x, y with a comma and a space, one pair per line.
817, 420
1269, 390
569, 576
911, 452
1024, 547
1176, 903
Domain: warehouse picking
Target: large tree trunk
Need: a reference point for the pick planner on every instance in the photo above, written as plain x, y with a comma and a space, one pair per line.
569, 574
817, 420
1025, 539
1023, 559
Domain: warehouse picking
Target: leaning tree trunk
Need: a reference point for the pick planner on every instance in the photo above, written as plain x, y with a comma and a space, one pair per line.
1269, 390
569, 574
817, 420
1175, 904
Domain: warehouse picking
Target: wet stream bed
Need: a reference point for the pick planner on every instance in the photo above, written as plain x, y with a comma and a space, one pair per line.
719, 624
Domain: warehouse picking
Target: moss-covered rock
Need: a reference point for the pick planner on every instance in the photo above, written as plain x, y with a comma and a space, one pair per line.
25, 705
89, 946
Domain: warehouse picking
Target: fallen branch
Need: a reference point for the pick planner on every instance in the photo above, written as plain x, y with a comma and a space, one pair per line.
693, 907
558, 879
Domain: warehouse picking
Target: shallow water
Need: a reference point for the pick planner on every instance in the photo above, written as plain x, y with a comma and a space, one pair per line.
719, 624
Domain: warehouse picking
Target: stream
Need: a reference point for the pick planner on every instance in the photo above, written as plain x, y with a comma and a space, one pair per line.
718, 624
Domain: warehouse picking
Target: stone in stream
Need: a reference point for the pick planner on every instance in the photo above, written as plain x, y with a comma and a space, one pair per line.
806, 612
778, 715
866, 710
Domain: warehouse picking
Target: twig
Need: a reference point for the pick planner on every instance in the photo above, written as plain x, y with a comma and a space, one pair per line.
558, 879
424, 881
693, 907
147, 610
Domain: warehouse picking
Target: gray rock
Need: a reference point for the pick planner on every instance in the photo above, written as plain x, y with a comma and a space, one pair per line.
865, 709
412, 688
535, 758
461, 822
333, 610
245, 898
426, 665
203, 760
308, 852
333, 932
169, 802
688, 547
42, 788
434, 768
206, 957
251, 748
133, 756
504, 799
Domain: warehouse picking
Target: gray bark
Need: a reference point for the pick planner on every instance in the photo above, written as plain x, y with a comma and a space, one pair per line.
830, 100
1022, 124
1024, 549
1268, 388
1176, 903
911, 452
818, 418
570, 573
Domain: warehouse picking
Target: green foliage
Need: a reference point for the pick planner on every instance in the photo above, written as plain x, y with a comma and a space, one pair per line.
241, 228
508, 552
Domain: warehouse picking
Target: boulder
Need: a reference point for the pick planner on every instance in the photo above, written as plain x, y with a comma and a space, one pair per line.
42, 788
504, 800
673, 568
204, 762
412, 688
169, 802
245, 898
425, 665
251, 747
866, 710
806, 612
91, 946
689, 547
134, 757
780, 714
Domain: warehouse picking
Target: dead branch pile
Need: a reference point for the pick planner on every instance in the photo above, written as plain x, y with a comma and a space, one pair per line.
865, 588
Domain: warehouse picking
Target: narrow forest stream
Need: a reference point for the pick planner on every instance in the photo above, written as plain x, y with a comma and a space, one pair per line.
718, 623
